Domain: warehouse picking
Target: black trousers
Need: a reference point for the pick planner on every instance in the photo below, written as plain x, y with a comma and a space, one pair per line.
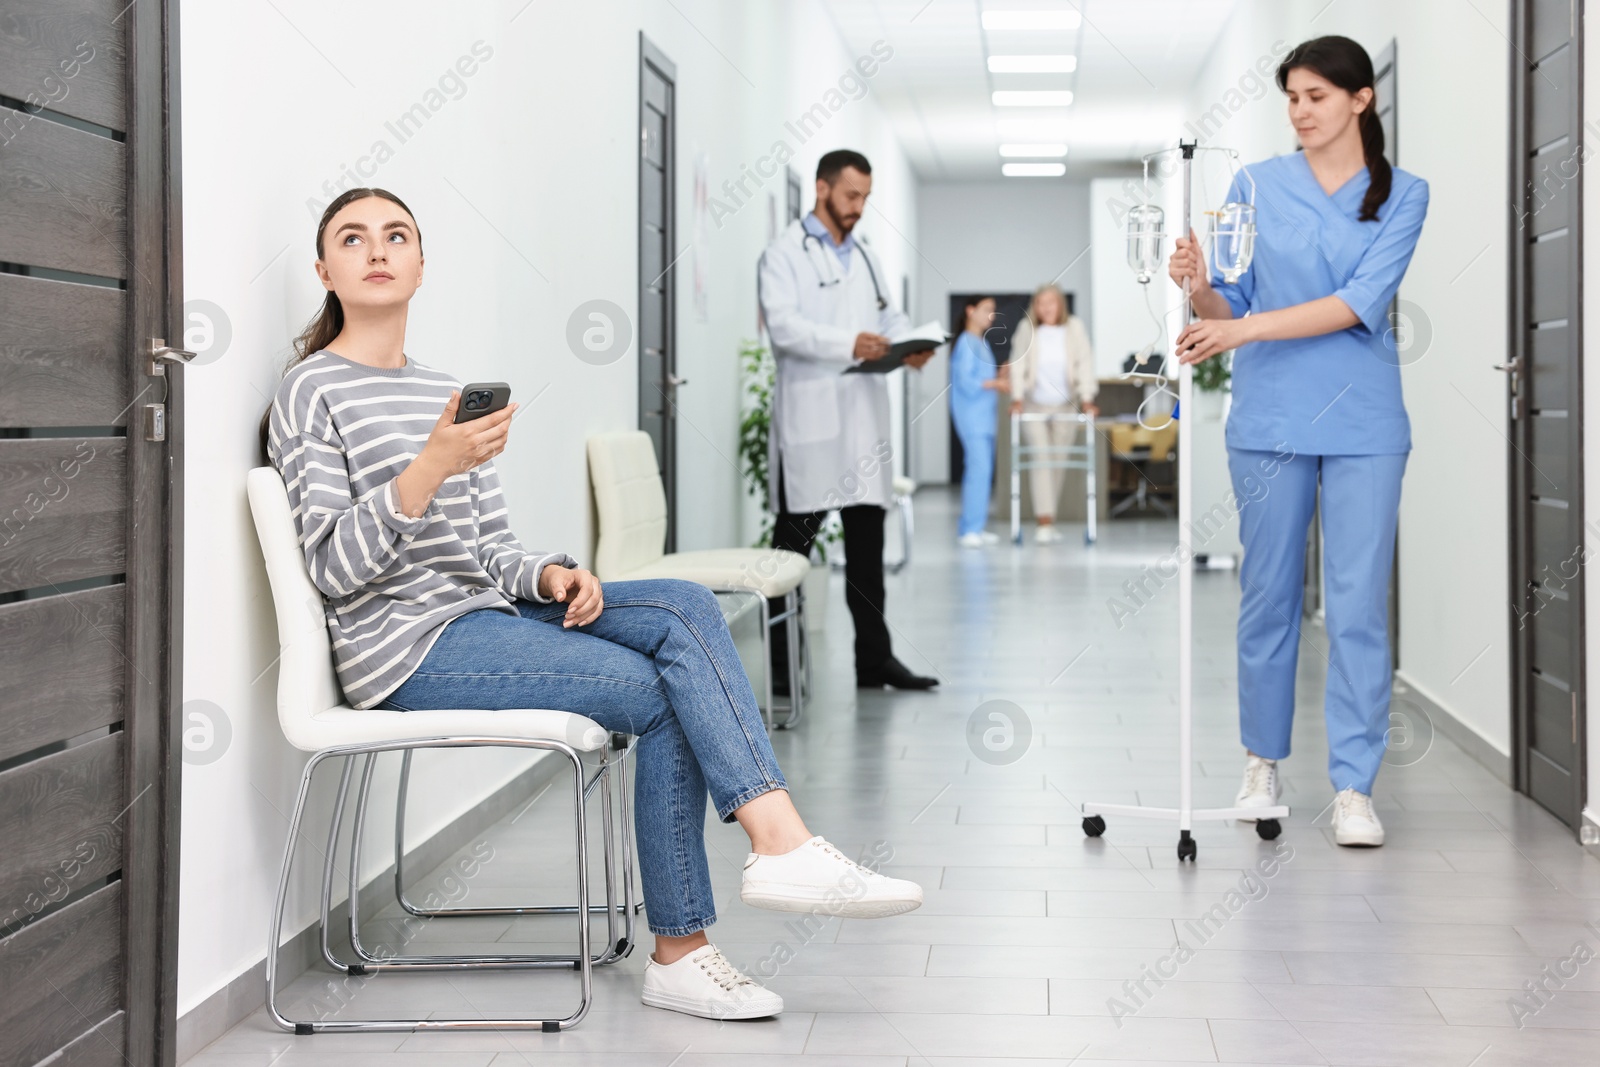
863, 576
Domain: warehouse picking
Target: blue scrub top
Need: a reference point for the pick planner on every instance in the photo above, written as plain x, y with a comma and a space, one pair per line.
972, 407
1337, 394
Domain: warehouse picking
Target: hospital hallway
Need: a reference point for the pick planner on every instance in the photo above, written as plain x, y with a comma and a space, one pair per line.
1175, 336
1031, 933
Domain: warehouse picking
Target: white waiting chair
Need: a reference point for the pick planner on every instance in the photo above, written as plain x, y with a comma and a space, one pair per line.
315, 718
903, 490
632, 507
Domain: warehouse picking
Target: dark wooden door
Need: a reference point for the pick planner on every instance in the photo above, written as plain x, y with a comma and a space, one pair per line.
1544, 386
658, 288
89, 637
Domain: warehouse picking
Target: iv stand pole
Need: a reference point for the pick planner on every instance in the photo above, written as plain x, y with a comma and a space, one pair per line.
1185, 814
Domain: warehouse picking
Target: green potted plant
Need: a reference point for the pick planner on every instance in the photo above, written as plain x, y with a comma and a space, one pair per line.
1211, 382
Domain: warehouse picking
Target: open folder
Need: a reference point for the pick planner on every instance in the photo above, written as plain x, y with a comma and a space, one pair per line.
928, 335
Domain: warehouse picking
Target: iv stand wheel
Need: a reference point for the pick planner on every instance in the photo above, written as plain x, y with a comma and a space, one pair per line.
1094, 825
1187, 846
1268, 829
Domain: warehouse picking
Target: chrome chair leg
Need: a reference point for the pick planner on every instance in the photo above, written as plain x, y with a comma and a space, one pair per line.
791, 631
328, 865
630, 908
617, 952
442, 961
582, 961
769, 713
805, 643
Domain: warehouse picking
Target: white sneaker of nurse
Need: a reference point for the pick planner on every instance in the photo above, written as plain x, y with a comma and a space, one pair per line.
1261, 788
989, 538
971, 540
818, 878
1354, 822
1047, 535
704, 983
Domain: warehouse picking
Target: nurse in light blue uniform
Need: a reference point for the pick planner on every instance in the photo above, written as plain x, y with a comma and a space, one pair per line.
973, 408
1316, 402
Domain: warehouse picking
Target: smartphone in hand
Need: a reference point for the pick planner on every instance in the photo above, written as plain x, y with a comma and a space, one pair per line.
482, 398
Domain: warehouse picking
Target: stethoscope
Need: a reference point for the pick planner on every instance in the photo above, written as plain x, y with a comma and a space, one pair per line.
823, 283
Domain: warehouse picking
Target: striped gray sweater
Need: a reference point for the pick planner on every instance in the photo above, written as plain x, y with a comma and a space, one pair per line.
339, 433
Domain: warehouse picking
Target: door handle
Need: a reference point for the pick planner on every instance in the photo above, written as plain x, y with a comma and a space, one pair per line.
1512, 366
674, 381
161, 354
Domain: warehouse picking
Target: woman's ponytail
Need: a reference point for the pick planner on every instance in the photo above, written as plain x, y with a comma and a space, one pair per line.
1346, 64
1379, 172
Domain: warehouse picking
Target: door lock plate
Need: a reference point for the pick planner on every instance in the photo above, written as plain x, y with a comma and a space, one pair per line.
155, 422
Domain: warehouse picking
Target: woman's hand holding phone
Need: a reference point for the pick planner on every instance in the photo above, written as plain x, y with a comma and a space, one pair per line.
452, 448
457, 447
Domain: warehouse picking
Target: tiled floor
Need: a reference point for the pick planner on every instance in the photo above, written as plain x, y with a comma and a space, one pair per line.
1033, 935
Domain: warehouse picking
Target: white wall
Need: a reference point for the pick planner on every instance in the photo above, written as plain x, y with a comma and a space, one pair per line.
1120, 318
523, 181
1453, 630
1002, 236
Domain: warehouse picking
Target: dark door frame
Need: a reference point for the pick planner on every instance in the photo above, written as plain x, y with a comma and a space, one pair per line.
654, 61
1544, 183
155, 542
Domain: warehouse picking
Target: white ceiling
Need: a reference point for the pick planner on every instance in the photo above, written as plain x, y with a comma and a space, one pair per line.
1136, 59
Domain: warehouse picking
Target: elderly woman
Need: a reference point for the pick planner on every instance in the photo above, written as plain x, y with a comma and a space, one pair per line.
1052, 372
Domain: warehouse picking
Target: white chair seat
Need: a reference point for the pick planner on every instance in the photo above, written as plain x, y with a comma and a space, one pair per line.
769, 572
311, 705
904, 486
346, 726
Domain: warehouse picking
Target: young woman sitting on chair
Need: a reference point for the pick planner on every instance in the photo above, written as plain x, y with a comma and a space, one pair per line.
434, 604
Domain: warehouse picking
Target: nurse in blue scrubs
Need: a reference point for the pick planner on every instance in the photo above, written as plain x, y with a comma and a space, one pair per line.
974, 385
1316, 402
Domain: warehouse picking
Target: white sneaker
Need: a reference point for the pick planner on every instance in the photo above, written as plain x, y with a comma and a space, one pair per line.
704, 983
989, 538
1354, 822
1047, 535
971, 540
1261, 788
818, 878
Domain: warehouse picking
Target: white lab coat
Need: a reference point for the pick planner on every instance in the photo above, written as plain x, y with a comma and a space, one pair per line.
830, 428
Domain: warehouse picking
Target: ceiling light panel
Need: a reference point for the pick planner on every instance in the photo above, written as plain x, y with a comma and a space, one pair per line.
1033, 170
1037, 64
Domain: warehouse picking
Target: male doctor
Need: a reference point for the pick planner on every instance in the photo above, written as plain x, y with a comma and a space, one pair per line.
826, 309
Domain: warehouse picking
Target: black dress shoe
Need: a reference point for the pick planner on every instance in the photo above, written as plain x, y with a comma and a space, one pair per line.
891, 672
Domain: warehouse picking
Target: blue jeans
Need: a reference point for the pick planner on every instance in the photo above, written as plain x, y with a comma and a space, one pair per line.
977, 475
658, 663
1360, 509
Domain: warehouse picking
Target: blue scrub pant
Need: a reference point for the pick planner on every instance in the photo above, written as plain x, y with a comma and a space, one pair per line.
977, 475
1360, 508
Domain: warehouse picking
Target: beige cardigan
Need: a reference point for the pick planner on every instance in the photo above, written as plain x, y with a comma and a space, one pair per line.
1080, 361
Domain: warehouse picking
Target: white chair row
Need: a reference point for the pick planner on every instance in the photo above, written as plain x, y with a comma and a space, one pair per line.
315, 718
632, 508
